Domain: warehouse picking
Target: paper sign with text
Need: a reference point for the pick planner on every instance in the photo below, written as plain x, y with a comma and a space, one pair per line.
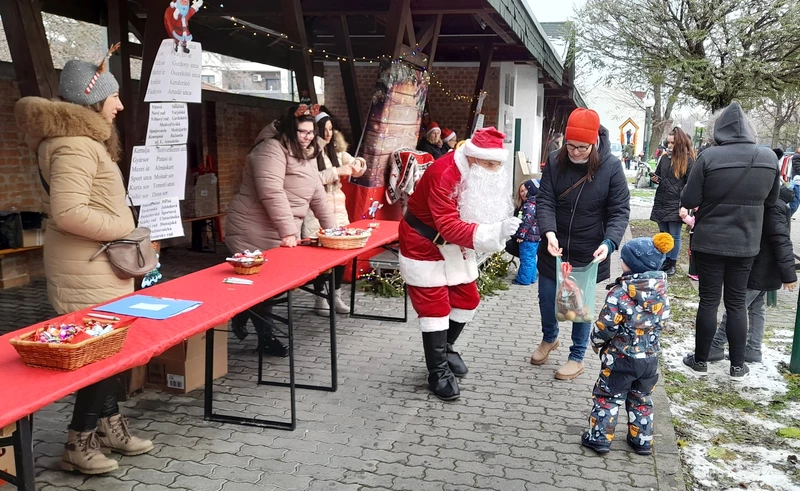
176, 75
163, 218
157, 173
168, 125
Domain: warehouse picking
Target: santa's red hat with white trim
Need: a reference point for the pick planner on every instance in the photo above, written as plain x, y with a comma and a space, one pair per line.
487, 144
433, 127
448, 134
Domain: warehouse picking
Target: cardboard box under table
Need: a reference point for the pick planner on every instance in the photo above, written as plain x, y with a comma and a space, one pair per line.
181, 368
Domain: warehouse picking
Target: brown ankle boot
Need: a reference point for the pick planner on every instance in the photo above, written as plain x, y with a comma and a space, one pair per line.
115, 436
82, 453
542, 353
570, 370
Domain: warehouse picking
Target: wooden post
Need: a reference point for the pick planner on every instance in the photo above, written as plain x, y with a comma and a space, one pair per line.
301, 59
347, 66
435, 41
400, 15
121, 68
27, 42
486, 51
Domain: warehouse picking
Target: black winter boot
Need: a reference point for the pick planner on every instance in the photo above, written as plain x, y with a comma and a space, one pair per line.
457, 365
267, 342
441, 380
239, 324
669, 267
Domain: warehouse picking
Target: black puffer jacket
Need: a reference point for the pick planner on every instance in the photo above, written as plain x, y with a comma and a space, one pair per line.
426, 146
668, 195
774, 264
591, 213
796, 163
733, 227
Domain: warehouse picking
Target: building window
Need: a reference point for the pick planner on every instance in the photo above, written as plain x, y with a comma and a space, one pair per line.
208, 79
509, 92
273, 81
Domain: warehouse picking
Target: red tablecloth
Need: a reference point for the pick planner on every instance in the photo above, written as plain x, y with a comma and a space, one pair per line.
24, 390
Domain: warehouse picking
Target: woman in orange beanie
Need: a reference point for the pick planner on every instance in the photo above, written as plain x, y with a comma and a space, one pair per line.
582, 210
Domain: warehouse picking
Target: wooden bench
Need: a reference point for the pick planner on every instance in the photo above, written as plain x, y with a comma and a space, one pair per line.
202, 225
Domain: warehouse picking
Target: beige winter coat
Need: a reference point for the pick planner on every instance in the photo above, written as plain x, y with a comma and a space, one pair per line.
86, 204
333, 186
277, 190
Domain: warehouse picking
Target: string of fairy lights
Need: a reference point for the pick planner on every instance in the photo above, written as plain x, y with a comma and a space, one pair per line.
411, 57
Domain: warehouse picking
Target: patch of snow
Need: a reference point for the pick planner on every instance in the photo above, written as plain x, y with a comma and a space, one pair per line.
730, 415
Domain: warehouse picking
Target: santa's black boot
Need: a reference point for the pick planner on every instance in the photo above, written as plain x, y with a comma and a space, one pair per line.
457, 365
441, 380
185, 48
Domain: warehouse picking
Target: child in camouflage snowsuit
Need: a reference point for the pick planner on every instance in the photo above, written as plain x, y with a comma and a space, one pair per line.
626, 335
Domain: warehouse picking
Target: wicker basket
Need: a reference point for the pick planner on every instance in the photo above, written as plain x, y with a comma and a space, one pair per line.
250, 268
344, 242
68, 357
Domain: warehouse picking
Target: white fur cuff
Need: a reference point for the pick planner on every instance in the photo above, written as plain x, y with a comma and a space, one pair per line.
461, 315
487, 238
494, 154
434, 324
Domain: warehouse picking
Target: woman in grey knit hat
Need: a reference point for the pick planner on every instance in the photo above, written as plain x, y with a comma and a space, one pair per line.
77, 148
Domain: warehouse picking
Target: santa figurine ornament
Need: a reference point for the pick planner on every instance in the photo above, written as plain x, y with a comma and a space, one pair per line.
176, 21
461, 205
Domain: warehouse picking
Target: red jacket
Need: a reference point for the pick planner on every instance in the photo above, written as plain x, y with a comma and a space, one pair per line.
423, 263
179, 26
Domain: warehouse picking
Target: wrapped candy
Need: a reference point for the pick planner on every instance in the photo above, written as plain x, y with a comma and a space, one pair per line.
570, 305
71, 333
247, 258
344, 232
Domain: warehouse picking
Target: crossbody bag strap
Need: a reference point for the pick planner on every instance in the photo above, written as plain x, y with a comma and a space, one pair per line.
580, 181
705, 211
44, 183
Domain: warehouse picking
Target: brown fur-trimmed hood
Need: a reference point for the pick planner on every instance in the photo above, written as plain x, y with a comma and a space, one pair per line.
339, 143
41, 119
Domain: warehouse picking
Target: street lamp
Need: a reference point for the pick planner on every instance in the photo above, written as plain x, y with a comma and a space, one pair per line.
699, 128
648, 125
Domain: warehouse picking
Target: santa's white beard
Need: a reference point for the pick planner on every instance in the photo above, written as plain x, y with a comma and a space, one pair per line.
483, 196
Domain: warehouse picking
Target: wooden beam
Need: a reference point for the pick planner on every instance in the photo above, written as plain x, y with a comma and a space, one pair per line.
301, 59
435, 40
349, 82
121, 68
30, 52
483, 72
401, 11
321, 8
505, 36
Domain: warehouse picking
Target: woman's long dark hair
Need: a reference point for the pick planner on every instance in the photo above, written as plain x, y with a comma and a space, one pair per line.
592, 165
287, 134
681, 151
330, 148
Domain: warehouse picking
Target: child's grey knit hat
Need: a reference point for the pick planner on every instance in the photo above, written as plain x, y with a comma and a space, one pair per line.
85, 83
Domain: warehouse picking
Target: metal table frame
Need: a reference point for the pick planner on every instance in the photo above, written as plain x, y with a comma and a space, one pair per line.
290, 425
23, 455
353, 279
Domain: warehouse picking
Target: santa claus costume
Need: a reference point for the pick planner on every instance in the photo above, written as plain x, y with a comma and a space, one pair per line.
460, 206
176, 21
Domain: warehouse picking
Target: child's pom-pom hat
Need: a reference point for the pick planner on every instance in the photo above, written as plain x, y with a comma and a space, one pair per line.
663, 242
645, 254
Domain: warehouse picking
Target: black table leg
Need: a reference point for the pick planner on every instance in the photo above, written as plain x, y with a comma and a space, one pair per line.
23, 455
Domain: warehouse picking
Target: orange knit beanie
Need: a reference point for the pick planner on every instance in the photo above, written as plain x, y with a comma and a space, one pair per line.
583, 126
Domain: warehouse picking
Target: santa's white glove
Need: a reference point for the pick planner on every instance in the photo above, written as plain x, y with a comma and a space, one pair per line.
509, 226
197, 4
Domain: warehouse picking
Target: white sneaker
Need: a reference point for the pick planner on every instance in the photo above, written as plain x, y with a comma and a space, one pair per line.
321, 307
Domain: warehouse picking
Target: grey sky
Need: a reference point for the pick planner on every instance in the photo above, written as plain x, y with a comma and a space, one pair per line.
547, 11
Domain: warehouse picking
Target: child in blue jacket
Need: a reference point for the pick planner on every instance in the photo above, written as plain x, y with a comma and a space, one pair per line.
626, 335
528, 235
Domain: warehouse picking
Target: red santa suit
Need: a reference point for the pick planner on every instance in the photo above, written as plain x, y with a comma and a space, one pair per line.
441, 278
177, 25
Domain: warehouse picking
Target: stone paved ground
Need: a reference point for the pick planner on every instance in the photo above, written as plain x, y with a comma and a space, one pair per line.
514, 428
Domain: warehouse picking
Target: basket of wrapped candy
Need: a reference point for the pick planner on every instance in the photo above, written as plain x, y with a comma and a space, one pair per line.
344, 238
71, 342
247, 262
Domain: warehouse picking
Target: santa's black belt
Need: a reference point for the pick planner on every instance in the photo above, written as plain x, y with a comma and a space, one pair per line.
424, 230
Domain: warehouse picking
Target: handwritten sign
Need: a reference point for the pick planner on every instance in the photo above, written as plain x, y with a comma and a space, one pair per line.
176, 75
157, 173
169, 124
163, 218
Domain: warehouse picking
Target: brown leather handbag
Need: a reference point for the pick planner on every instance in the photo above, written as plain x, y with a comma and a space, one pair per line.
131, 256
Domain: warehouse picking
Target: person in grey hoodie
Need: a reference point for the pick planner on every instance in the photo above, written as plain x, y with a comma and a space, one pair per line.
731, 183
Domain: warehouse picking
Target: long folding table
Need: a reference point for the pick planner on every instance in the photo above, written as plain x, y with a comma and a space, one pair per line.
26, 390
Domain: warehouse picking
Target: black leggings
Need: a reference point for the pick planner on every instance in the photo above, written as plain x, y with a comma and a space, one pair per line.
261, 321
95, 401
337, 279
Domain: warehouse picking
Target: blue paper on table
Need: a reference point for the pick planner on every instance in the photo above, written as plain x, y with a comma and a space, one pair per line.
149, 307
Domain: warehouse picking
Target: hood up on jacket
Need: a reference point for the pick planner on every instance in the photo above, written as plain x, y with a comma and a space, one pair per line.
269, 131
41, 119
732, 126
647, 290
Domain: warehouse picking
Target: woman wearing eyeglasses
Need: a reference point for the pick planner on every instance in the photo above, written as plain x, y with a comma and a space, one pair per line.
582, 210
279, 184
